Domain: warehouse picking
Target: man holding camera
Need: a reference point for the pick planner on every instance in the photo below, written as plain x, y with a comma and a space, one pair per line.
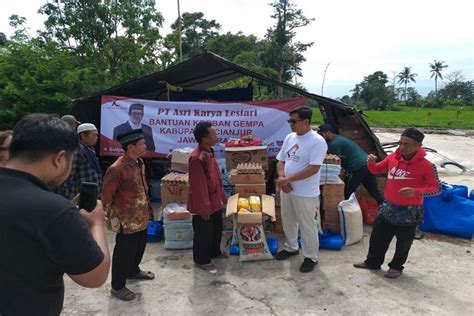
128, 210
43, 235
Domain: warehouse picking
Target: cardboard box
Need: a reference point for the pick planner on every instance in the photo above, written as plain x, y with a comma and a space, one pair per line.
236, 155
332, 194
180, 160
253, 189
246, 178
268, 208
333, 189
174, 193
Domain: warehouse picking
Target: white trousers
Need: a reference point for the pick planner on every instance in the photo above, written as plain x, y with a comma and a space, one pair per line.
303, 213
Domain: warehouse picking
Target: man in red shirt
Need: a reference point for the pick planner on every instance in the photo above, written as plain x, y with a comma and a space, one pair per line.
128, 210
206, 198
410, 177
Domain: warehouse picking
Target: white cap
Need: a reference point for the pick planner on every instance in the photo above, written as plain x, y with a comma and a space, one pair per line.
86, 127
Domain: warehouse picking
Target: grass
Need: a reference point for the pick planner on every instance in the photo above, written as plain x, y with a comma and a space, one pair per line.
449, 118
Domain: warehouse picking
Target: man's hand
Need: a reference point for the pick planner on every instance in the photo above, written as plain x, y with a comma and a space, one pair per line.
287, 188
408, 192
206, 217
96, 216
282, 182
371, 159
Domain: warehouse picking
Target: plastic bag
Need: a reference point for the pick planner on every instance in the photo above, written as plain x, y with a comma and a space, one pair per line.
174, 211
350, 220
449, 214
252, 243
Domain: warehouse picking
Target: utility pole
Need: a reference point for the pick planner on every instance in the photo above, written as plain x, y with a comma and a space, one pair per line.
324, 78
180, 39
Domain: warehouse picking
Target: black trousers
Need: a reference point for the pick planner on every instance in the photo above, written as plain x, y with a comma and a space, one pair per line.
382, 235
207, 237
128, 253
354, 178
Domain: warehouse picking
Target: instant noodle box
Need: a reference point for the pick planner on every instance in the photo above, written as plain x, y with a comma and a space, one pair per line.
253, 154
267, 208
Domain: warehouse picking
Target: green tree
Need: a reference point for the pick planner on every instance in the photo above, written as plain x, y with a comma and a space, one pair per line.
40, 77
283, 53
404, 77
119, 38
457, 88
196, 31
436, 68
412, 97
373, 91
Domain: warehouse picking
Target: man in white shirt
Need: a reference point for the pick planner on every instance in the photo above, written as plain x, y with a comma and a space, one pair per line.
136, 112
299, 161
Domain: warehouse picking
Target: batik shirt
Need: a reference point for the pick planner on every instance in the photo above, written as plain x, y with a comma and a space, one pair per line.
124, 196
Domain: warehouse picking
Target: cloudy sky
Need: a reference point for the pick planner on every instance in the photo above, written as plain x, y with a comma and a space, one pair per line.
357, 38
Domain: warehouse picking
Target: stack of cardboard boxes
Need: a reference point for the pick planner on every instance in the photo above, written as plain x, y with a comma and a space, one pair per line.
248, 178
331, 195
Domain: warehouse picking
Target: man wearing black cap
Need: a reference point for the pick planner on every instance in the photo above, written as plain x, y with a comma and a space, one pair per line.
135, 112
410, 178
354, 162
125, 200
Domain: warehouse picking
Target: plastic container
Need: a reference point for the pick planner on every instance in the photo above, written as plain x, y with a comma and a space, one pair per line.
154, 231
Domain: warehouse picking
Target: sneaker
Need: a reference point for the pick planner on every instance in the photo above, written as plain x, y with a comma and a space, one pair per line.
283, 255
308, 265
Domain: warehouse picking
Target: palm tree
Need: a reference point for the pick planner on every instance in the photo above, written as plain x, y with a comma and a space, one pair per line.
436, 69
405, 77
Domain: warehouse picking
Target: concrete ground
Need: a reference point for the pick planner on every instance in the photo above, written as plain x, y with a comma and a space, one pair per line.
438, 278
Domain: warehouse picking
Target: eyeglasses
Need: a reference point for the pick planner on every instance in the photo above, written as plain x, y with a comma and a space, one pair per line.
3, 148
136, 113
292, 121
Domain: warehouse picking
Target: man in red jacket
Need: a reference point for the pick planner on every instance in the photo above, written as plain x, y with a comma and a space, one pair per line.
205, 199
410, 178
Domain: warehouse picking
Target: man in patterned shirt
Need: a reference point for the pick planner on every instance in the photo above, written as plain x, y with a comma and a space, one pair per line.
85, 166
128, 210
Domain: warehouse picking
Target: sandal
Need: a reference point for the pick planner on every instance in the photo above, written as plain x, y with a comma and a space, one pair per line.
224, 255
123, 294
209, 267
143, 275
393, 274
363, 265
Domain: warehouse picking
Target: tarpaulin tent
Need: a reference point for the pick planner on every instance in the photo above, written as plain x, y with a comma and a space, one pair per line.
209, 70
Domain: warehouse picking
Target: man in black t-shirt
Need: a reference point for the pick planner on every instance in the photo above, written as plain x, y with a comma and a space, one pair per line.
43, 235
